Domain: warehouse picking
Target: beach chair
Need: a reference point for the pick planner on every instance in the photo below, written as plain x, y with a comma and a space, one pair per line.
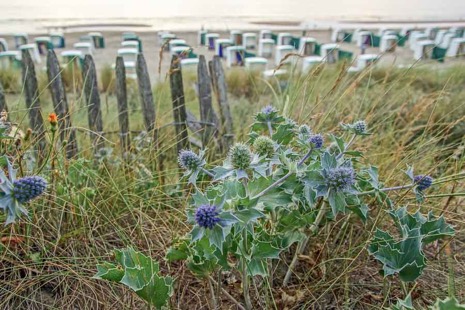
33, 51
236, 37
364, 39
265, 48
235, 56
86, 48
201, 37
307, 46
221, 45
71, 56
130, 44
310, 62
284, 38
176, 43
43, 44
456, 48
10, 59
280, 53
341, 35
129, 35
98, 39
58, 40
267, 74
256, 63
181, 51
423, 50
249, 40
447, 39
3, 45
210, 39
20, 39
431, 32
129, 58
189, 64
330, 52
266, 34
388, 43
364, 61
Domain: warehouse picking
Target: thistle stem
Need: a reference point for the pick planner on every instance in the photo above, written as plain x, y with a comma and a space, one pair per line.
270, 128
212, 292
245, 276
231, 298
346, 147
302, 245
207, 172
387, 189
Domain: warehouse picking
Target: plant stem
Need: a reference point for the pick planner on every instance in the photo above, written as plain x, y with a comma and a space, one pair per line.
270, 128
386, 189
49, 153
212, 292
231, 298
346, 147
245, 276
207, 172
302, 245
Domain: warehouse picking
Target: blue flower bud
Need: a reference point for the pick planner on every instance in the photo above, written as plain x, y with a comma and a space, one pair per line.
207, 216
28, 188
189, 160
360, 127
340, 179
316, 140
240, 156
423, 182
268, 110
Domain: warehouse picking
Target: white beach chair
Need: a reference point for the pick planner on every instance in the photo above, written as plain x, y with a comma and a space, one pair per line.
221, 45
284, 38
388, 43
33, 51
3, 45
280, 53
266, 34
423, 50
235, 56
265, 48
129, 58
58, 39
364, 61
456, 48
364, 38
307, 46
8, 59
256, 63
21, 38
85, 47
310, 62
210, 39
189, 64
330, 52
249, 40
130, 44
236, 37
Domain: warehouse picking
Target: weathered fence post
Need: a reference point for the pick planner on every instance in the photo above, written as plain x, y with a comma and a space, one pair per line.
60, 104
207, 114
179, 108
219, 85
31, 93
89, 76
3, 106
122, 98
146, 96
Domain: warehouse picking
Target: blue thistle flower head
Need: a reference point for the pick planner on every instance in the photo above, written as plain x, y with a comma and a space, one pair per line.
268, 110
360, 127
28, 188
206, 216
316, 140
305, 130
240, 156
423, 182
189, 160
340, 179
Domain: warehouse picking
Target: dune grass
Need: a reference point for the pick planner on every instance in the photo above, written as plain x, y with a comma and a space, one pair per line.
95, 205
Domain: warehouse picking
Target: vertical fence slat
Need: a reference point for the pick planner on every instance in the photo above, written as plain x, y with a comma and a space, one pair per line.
60, 104
146, 95
122, 98
89, 76
219, 85
179, 108
207, 114
31, 93
3, 106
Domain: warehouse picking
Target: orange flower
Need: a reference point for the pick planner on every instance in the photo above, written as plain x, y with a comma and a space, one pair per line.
53, 119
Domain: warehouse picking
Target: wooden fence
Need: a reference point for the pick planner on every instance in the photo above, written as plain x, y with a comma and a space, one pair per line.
209, 129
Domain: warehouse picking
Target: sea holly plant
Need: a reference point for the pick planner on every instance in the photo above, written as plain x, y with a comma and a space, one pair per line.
139, 273
279, 188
